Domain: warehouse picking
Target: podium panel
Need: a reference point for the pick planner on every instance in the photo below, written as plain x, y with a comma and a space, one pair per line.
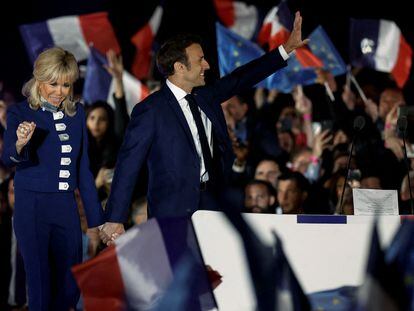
325, 252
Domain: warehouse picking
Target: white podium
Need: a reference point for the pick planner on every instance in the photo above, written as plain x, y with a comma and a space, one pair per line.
325, 252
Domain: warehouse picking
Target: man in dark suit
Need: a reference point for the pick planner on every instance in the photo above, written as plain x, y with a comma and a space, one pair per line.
180, 133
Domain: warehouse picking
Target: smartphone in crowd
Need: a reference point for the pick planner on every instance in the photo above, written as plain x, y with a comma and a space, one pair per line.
327, 125
410, 151
318, 127
354, 175
407, 111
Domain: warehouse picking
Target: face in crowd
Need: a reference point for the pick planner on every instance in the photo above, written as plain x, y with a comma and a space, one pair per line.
236, 108
388, 99
290, 196
301, 161
97, 122
268, 170
258, 198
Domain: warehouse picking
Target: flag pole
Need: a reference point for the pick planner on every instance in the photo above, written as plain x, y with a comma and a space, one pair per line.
358, 87
329, 91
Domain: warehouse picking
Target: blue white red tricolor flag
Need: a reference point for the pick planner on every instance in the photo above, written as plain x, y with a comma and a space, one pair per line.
380, 45
99, 84
136, 272
143, 40
239, 17
276, 29
73, 33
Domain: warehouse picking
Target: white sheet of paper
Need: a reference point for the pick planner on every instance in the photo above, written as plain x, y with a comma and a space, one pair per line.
375, 202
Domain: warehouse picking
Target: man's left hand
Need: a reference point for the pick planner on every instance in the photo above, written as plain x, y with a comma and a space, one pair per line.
110, 231
295, 39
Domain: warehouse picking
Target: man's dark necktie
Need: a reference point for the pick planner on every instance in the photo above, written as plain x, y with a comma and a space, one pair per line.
205, 148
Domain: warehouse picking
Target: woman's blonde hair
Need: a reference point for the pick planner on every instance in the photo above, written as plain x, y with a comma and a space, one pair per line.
50, 66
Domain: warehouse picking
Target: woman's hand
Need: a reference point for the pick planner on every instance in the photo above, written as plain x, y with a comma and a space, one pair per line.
24, 133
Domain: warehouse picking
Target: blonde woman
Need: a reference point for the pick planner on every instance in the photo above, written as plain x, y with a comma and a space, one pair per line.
47, 142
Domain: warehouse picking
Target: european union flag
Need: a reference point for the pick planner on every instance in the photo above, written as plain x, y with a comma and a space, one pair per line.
235, 51
281, 81
290, 76
297, 73
323, 48
338, 299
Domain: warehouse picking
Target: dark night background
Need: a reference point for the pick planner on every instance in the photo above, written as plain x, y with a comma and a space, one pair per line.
197, 16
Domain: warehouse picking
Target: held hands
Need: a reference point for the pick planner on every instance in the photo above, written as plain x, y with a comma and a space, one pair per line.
110, 231
24, 133
94, 241
295, 39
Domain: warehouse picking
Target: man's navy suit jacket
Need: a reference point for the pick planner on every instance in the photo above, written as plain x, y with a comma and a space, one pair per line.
158, 136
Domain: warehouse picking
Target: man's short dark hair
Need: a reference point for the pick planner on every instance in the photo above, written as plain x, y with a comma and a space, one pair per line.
173, 50
280, 161
301, 182
270, 190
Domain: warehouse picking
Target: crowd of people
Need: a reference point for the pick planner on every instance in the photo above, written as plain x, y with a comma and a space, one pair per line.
300, 143
290, 157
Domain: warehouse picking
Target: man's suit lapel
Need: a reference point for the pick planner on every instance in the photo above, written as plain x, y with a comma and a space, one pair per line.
211, 115
175, 106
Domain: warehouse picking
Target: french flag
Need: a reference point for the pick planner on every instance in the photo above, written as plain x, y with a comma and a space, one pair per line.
142, 40
276, 26
72, 33
276, 30
136, 272
379, 44
383, 287
99, 84
240, 17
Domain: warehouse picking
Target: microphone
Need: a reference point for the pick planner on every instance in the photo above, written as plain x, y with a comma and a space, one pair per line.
359, 123
402, 124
